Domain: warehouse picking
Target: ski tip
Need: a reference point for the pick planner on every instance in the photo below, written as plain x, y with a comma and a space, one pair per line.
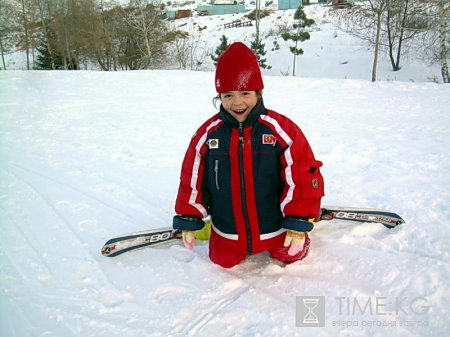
394, 222
391, 220
108, 250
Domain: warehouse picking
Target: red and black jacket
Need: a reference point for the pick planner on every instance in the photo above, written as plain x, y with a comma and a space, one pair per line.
256, 179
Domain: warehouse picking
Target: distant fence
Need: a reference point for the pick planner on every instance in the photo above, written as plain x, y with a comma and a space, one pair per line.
238, 23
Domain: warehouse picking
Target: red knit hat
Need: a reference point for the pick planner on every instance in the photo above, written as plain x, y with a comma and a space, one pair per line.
238, 69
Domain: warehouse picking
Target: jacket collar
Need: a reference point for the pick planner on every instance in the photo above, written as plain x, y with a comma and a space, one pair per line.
259, 109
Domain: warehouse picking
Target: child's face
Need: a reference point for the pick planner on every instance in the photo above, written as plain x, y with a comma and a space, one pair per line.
239, 103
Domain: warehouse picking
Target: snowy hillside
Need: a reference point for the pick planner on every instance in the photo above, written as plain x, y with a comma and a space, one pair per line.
330, 53
89, 155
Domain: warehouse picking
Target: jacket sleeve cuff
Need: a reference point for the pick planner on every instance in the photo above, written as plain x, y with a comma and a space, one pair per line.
184, 222
297, 224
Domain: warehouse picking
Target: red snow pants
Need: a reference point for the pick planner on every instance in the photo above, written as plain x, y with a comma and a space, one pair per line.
227, 256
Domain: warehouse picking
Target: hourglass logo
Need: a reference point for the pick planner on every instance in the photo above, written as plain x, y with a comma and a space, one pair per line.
310, 311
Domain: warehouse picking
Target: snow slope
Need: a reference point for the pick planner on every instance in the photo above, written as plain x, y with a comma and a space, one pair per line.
330, 53
88, 155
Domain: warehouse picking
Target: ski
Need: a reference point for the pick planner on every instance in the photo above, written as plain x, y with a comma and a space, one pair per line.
167, 235
354, 214
154, 237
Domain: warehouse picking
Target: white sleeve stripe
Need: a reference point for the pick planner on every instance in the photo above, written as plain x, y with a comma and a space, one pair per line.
195, 169
288, 158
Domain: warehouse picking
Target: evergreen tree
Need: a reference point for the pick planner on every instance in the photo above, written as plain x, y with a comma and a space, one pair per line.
259, 49
220, 49
298, 34
44, 59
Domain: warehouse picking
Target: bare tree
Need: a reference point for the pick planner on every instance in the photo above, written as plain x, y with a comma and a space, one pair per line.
364, 20
395, 26
151, 32
257, 18
105, 50
437, 38
117, 38
8, 28
25, 13
190, 50
95, 35
402, 25
181, 51
25, 28
444, 18
64, 25
377, 8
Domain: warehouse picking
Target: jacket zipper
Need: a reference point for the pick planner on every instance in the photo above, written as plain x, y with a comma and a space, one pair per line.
216, 171
243, 192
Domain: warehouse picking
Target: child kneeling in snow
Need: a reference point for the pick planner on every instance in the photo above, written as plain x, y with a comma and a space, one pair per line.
251, 169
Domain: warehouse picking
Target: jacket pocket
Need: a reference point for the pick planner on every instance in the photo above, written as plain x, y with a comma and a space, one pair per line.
310, 178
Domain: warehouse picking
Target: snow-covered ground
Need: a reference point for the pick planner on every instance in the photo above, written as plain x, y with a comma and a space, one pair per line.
88, 155
85, 156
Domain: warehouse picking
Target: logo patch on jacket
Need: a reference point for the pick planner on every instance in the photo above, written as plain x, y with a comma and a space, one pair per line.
213, 143
269, 139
